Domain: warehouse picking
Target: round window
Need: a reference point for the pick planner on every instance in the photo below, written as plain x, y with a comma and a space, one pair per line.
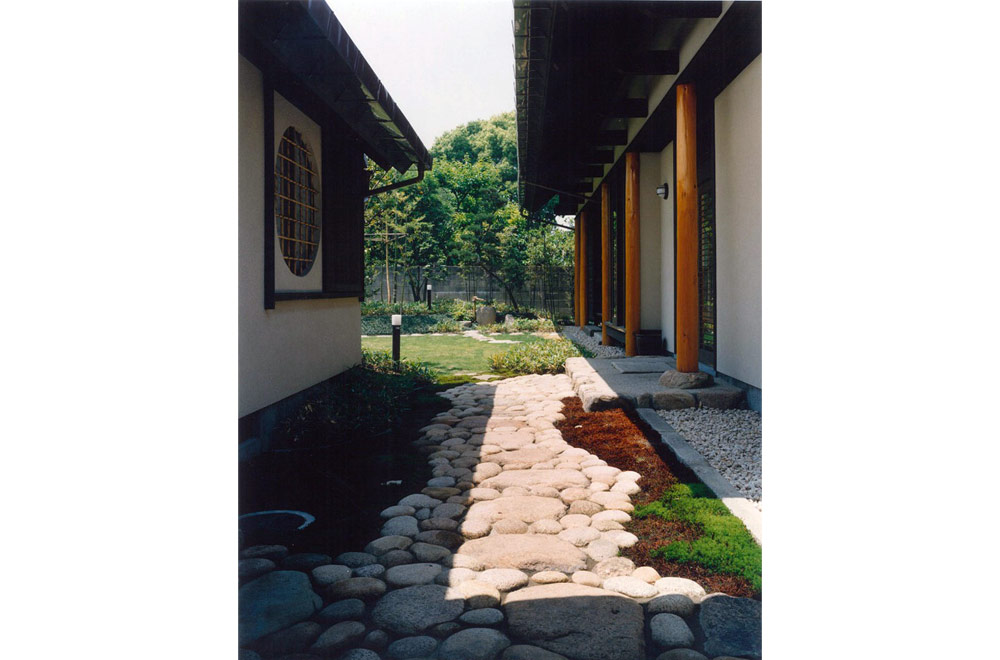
296, 203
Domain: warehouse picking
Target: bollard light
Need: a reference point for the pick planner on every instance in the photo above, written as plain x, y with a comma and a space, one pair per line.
397, 321
428, 295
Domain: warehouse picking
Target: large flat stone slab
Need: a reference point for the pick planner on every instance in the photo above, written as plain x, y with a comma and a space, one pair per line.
526, 478
530, 455
579, 622
527, 508
644, 365
273, 602
412, 610
529, 552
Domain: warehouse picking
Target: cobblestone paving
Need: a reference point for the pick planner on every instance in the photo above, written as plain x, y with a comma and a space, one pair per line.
509, 553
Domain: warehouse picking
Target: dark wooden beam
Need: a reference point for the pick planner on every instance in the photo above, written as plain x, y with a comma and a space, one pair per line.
633, 302
630, 108
600, 156
687, 231
584, 187
605, 138
652, 63
590, 171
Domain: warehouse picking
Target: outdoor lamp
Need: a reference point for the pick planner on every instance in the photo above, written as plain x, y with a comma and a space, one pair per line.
662, 190
428, 295
397, 320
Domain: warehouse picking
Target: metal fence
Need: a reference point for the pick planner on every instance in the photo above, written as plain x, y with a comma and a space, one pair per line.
551, 290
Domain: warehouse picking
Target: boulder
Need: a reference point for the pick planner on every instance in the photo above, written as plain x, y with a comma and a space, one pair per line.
673, 379
583, 623
275, 601
732, 626
669, 631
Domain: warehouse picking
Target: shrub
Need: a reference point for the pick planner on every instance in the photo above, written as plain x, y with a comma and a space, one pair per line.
381, 362
520, 325
448, 325
419, 323
544, 357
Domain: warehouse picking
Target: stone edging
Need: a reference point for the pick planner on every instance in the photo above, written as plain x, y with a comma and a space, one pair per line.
740, 506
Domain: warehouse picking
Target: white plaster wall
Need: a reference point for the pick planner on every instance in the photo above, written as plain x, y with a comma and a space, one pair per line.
298, 344
285, 115
738, 225
667, 323
649, 241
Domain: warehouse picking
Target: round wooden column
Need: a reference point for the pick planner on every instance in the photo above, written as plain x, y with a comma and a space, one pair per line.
576, 270
632, 292
583, 268
605, 262
687, 231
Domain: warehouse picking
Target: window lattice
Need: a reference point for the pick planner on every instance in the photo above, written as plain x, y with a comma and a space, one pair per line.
296, 203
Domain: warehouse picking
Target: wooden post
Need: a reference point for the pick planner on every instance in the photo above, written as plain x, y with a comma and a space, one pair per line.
583, 268
632, 301
687, 231
576, 270
605, 262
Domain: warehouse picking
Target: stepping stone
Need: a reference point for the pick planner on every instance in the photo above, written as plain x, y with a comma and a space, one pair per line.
487, 616
474, 644
526, 478
400, 526
587, 578
427, 552
617, 516
409, 575
579, 536
419, 500
397, 510
646, 574
583, 623
330, 573
479, 594
510, 526
254, 568
449, 540
355, 559
447, 524
396, 558
529, 552
732, 626
683, 586
630, 586
615, 566
273, 602
504, 579
549, 577
412, 610
527, 508
365, 588
529, 455
371, 570
545, 527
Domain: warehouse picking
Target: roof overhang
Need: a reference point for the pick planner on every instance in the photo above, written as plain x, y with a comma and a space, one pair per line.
583, 71
302, 44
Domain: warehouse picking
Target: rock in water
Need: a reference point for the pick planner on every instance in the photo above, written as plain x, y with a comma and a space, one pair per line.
275, 601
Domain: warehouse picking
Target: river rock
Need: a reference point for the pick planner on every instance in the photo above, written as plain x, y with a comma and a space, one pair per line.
412, 610
254, 568
365, 588
356, 559
338, 637
382, 545
669, 631
526, 508
412, 647
504, 579
273, 552
614, 567
409, 575
474, 644
683, 586
560, 479
580, 622
342, 610
290, 640
526, 652
678, 604
400, 526
487, 616
630, 586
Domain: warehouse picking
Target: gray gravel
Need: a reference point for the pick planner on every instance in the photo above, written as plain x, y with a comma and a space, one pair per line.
592, 344
728, 439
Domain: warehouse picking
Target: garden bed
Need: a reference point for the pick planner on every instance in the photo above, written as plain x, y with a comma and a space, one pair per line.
673, 510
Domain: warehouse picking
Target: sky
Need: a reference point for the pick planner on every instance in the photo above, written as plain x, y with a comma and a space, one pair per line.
444, 62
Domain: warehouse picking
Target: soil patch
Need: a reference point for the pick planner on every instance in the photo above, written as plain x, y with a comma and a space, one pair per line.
626, 442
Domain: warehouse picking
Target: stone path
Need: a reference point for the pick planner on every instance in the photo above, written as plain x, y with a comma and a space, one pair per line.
509, 553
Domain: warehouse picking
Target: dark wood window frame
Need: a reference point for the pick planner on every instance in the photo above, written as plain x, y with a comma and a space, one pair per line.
344, 183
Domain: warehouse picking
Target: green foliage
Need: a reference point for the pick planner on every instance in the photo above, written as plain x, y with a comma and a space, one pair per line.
520, 325
463, 213
448, 325
447, 354
725, 545
381, 362
543, 357
412, 324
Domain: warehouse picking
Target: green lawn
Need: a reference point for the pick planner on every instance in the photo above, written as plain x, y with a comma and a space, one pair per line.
448, 354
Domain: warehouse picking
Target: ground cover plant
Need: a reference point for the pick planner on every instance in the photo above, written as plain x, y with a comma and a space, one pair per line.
412, 324
519, 325
447, 355
683, 529
544, 357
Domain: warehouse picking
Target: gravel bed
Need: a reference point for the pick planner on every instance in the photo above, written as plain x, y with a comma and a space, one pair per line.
592, 344
728, 439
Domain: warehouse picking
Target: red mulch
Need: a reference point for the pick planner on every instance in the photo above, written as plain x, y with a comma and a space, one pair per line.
628, 443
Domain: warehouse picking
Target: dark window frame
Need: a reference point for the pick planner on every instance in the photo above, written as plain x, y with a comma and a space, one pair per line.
344, 183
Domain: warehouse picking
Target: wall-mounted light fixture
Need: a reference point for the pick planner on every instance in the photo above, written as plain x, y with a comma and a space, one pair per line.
662, 190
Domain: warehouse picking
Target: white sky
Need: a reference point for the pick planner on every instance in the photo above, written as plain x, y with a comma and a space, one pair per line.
445, 62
